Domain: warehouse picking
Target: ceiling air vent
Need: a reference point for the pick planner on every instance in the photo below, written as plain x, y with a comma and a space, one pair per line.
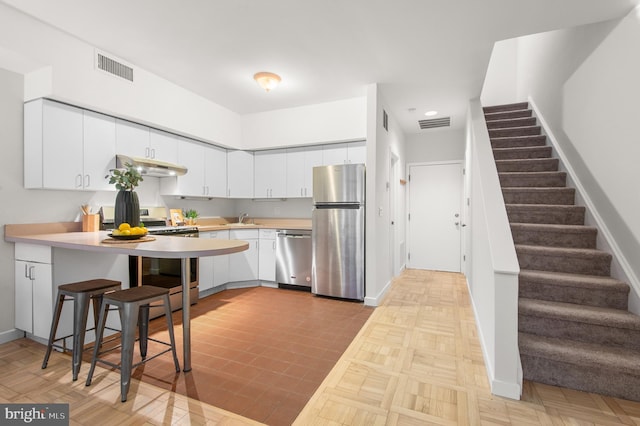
113, 67
435, 122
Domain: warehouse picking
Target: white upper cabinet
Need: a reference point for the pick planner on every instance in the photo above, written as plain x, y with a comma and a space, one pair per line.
300, 164
270, 174
215, 171
206, 172
163, 146
136, 140
66, 147
344, 153
240, 174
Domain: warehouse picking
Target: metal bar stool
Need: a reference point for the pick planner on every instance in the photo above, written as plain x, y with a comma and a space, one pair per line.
133, 306
81, 293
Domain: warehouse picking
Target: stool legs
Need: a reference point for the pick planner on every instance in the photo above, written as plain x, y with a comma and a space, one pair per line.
167, 314
128, 319
54, 328
80, 312
99, 332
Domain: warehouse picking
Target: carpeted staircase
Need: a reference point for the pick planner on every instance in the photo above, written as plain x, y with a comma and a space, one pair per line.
574, 327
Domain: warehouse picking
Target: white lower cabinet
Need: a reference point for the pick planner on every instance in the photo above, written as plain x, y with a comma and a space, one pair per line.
34, 292
267, 255
213, 270
243, 266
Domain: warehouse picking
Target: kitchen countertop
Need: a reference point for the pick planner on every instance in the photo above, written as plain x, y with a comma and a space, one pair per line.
220, 224
163, 246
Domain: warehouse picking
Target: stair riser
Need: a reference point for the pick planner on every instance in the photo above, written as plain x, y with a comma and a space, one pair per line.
570, 216
522, 153
555, 238
565, 197
545, 165
511, 132
579, 331
557, 179
509, 115
588, 265
519, 142
517, 122
607, 381
508, 107
604, 298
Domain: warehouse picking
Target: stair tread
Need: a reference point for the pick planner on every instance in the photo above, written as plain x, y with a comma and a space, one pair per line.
561, 251
581, 353
505, 107
574, 280
552, 227
533, 174
595, 315
543, 206
525, 160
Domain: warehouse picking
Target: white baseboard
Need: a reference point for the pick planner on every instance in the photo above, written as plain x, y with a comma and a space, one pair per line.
10, 335
375, 300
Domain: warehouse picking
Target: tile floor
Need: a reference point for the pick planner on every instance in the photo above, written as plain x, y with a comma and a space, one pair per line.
258, 352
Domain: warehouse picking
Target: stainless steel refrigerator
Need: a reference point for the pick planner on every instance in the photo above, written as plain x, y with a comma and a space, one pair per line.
338, 224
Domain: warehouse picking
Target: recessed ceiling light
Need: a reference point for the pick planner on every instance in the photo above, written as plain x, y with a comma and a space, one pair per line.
431, 113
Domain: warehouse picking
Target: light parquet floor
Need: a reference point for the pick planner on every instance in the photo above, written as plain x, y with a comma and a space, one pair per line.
417, 361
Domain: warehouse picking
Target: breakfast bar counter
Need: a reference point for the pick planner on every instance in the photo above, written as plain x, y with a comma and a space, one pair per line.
160, 247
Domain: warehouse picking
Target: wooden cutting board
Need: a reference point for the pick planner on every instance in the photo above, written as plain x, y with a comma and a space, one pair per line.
139, 240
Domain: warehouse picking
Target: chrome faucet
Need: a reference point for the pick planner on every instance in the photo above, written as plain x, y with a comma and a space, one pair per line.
241, 217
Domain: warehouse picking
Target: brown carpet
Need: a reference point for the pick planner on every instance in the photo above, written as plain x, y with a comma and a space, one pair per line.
575, 329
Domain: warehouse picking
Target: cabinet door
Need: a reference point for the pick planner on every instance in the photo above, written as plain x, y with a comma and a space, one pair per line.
239, 174
62, 146
312, 158
221, 263
163, 146
357, 152
296, 172
334, 154
43, 299
243, 266
215, 171
23, 297
270, 174
132, 139
267, 260
192, 183
99, 150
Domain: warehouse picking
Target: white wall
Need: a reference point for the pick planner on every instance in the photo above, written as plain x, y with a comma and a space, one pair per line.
584, 83
343, 120
500, 82
380, 146
436, 145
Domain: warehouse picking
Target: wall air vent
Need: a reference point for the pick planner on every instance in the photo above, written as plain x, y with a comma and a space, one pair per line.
113, 67
435, 122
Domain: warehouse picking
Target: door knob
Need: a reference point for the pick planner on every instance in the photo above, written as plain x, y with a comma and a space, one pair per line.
457, 223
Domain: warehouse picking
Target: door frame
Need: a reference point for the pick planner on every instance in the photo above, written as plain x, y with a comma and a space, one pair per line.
462, 218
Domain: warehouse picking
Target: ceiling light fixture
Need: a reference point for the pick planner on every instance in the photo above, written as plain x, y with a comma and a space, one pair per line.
267, 80
431, 113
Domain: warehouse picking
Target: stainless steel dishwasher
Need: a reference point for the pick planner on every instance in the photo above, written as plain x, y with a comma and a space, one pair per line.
293, 258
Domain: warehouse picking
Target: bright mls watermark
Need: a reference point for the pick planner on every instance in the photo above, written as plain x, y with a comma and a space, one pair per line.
34, 414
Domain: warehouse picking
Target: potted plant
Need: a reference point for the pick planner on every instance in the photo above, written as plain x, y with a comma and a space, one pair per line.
127, 208
190, 216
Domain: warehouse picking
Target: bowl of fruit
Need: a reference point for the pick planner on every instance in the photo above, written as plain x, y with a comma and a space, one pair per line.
128, 232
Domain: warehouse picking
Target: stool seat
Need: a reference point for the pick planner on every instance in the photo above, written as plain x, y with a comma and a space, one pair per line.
90, 286
136, 294
133, 304
82, 293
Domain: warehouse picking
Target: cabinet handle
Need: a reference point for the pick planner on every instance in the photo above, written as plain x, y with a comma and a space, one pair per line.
87, 181
78, 181
301, 192
32, 273
257, 246
147, 152
274, 244
153, 153
26, 270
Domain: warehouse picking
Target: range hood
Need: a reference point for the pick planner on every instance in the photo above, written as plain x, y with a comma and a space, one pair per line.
150, 167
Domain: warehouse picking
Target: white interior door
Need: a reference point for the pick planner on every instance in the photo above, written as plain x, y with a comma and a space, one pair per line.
435, 196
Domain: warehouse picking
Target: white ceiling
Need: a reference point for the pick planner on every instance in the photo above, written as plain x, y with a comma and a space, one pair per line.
425, 54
